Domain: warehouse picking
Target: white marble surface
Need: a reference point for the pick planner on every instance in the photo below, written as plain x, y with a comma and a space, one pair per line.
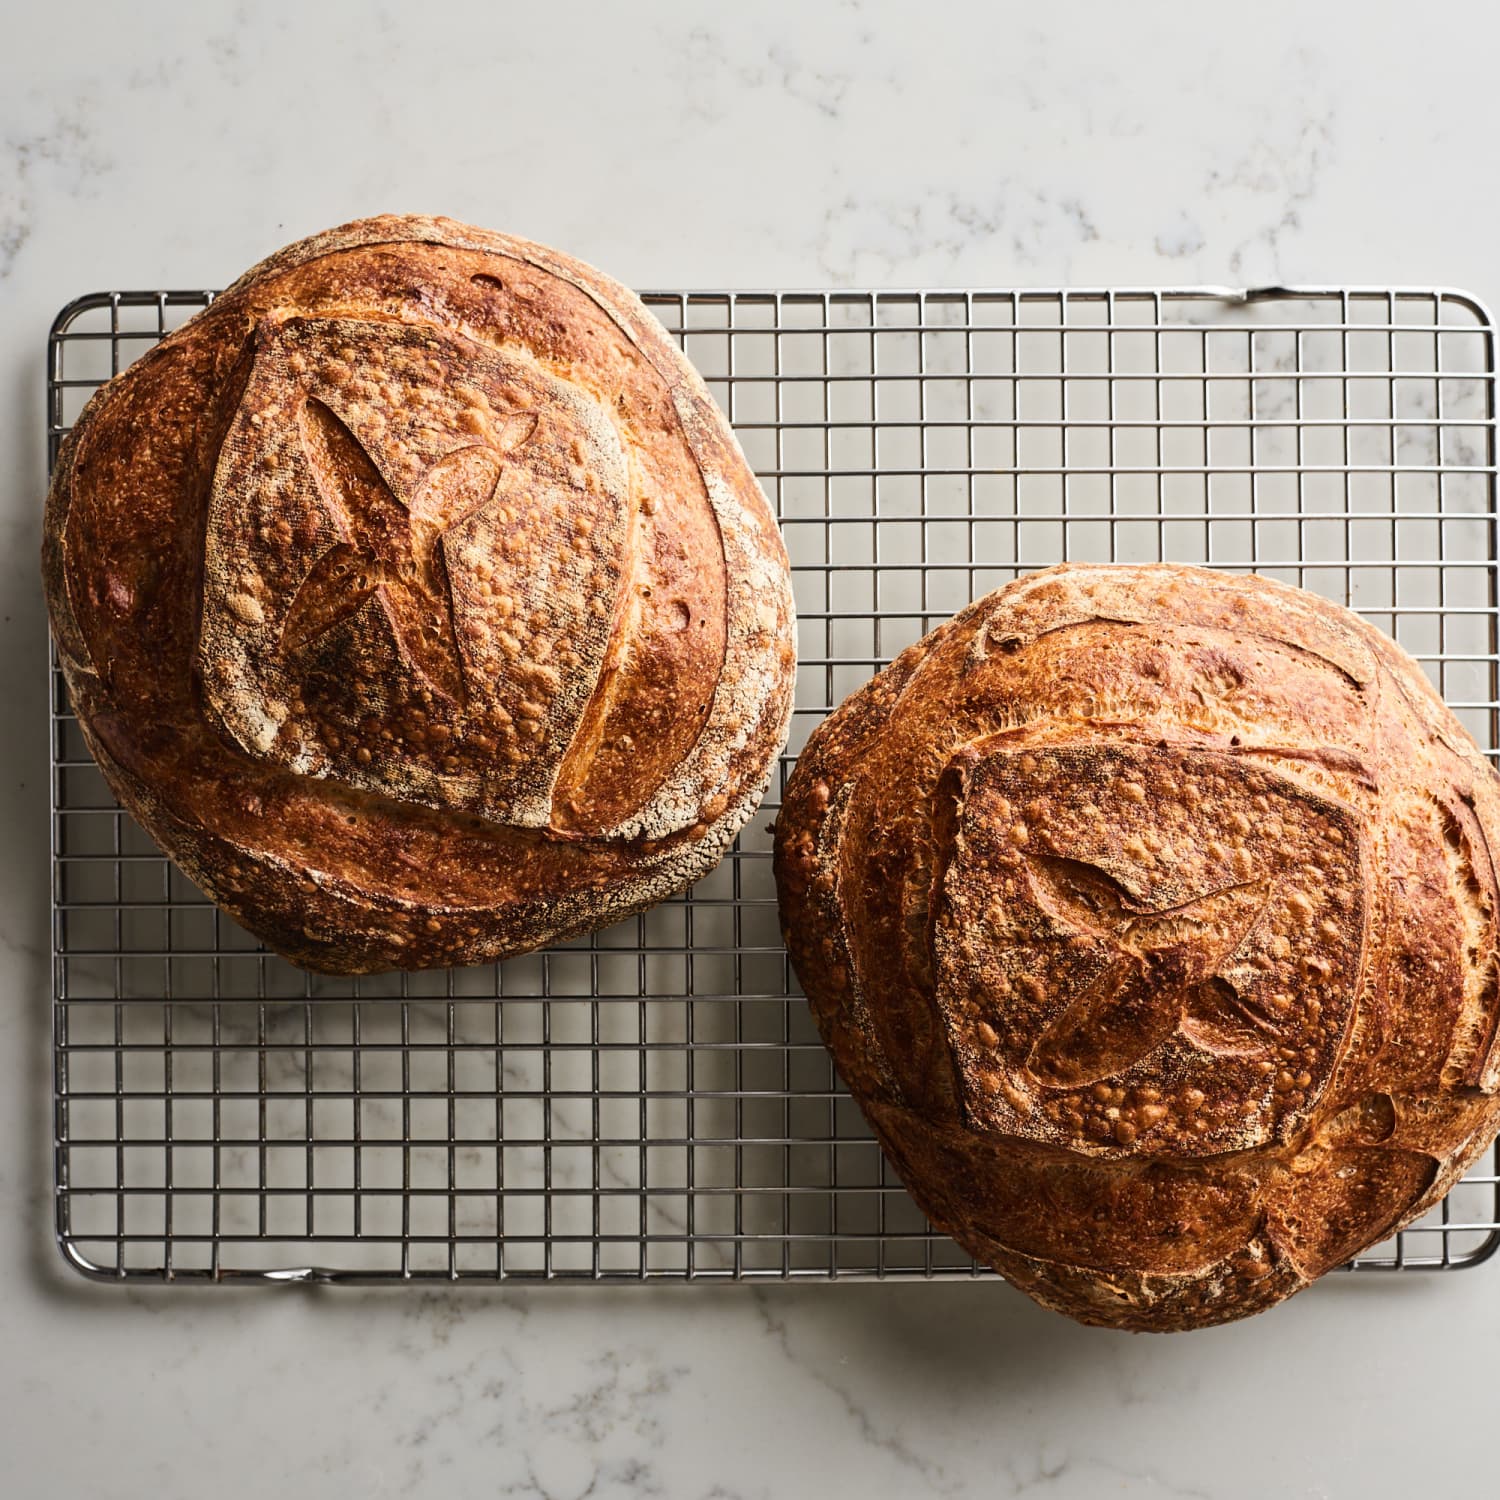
881, 143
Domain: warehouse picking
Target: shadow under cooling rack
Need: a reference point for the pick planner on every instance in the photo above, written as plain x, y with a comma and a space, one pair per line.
653, 1102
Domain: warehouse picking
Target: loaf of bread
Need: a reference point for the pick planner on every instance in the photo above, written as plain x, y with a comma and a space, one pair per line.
416, 597
1150, 915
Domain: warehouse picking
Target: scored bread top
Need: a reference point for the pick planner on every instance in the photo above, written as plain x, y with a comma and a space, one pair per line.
1151, 915
420, 576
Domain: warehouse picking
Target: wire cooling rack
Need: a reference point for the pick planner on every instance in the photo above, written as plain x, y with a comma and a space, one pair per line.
653, 1102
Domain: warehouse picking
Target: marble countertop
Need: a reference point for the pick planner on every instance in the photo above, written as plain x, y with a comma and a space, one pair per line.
875, 143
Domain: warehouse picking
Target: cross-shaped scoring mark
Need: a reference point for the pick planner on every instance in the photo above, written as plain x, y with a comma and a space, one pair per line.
1164, 972
393, 552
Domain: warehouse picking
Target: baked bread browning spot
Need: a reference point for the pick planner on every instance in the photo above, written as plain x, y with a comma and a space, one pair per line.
1150, 914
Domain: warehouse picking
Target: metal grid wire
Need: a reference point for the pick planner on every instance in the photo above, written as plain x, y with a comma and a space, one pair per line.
653, 1102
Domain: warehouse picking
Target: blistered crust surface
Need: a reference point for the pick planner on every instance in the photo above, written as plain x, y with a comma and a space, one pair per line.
414, 553
1199, 920
419, 599
1150, 913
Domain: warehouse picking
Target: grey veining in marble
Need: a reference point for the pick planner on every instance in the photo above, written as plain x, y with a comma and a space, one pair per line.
675, 144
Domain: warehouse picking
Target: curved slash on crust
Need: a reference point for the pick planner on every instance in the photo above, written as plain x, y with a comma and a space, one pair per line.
336, 586
1160, 978
392, 551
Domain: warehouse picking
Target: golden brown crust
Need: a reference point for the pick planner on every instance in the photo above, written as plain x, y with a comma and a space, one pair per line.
1151, 915
419, 600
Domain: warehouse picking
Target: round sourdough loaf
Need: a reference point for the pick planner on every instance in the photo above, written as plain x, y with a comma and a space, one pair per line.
417, 599
1150, 915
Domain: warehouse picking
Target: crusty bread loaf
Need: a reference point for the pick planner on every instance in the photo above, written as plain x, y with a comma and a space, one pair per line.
1150, 914
417, 598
